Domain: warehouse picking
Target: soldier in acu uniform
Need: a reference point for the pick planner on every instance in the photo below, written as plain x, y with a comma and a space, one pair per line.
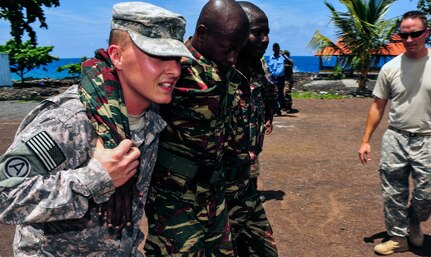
405, 82
76, 149
186, 209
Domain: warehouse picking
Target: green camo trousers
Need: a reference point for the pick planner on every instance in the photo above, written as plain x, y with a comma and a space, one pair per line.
251, 230
187, 219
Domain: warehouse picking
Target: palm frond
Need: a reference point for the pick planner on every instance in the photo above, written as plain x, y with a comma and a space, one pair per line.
362, 30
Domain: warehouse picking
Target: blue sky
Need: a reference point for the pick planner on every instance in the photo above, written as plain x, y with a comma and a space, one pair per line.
77, 27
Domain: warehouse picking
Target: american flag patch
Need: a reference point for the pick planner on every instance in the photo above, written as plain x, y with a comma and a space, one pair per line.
48, 152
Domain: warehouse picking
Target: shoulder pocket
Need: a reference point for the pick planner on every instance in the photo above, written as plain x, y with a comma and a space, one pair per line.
37, 155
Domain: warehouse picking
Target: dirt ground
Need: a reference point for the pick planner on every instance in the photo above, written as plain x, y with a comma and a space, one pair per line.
320, 200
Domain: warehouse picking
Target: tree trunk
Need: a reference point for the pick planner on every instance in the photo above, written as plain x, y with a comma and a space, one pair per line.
21, 75
362, 81
364, 69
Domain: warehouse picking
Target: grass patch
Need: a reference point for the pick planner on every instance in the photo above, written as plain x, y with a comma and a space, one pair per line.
314, 95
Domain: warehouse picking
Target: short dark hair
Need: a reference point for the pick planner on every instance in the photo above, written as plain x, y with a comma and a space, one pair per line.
275, 45
416, 14
118, 37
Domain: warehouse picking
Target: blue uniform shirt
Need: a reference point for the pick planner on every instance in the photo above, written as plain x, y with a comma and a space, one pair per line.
276, 65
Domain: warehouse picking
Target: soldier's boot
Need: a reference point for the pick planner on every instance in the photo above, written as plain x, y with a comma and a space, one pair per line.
395, 244
416, 237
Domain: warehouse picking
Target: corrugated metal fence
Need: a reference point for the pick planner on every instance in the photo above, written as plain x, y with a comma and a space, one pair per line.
5, 76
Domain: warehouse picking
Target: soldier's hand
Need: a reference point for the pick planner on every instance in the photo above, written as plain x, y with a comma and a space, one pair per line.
120, 162
268, 127
365, 153
269, 112
121, 203
252, 157
118, 210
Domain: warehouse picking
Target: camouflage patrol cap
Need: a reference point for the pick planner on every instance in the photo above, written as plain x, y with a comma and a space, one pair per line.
153, 29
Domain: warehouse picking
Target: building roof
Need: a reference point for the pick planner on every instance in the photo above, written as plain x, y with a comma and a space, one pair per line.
394, 48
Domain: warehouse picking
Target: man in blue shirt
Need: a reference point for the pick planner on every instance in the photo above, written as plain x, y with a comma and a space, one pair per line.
276, 69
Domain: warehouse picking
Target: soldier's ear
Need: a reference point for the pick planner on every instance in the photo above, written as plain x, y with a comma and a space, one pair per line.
114, 52
201, 32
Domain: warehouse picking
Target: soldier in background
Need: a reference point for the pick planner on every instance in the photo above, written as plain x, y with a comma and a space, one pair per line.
288, 73
406, 145
252, 233
75, 150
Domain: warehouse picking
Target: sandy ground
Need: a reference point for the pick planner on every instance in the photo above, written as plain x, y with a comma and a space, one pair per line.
321, 201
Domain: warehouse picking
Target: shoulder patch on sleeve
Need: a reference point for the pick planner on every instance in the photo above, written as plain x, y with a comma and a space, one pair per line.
47, 150
17, 166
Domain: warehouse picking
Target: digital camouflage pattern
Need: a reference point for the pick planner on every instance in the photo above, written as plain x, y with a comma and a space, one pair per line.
56, 211
186, 214
396, 166
250, 228
153, 29
148, 20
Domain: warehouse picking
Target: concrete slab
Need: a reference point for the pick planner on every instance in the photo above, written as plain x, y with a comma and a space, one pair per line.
349, 83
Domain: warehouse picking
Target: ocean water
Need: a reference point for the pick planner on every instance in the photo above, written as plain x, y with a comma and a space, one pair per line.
301, 64
50, 71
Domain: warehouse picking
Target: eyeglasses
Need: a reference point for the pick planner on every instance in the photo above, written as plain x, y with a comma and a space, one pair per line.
415, 34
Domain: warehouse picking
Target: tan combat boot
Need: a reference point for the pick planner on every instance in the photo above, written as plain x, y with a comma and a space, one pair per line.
416, 237
395, 244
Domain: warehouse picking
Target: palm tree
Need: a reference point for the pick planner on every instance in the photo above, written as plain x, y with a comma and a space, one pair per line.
425, 6
362, 34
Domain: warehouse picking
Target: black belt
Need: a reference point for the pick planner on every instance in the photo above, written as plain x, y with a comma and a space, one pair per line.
409, 134
177, 163
187, 168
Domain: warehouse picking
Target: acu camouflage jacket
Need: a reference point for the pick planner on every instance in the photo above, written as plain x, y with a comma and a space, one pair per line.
50, 185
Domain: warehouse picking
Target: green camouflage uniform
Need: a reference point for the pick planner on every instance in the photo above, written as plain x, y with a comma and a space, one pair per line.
251, 230
259, 114
50, 186
186, 208
288, 72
